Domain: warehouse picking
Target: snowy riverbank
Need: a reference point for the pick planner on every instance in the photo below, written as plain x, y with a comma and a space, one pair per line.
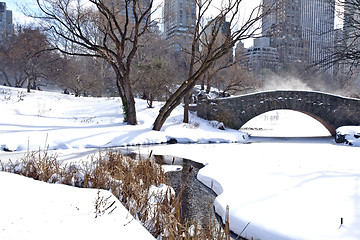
64, 122
286, 189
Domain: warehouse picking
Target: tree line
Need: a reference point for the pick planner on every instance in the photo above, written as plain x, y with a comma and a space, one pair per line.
84, 47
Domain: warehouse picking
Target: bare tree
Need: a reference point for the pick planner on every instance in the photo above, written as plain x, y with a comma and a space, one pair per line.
201, 61
9, 57
23, 58
154, 72
105, 29
235, 80
78, 75
346, 53
348, 46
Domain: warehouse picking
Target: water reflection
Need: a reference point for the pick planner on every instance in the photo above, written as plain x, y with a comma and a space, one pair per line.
197, 199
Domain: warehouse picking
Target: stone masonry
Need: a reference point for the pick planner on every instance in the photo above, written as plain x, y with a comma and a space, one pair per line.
332, 111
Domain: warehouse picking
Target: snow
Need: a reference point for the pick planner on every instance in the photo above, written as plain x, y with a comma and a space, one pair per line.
63, 121
36, 210
287, 188
281, 123
351, 133
29, 121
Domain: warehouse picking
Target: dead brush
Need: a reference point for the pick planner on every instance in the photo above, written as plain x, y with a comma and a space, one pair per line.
38, 165
156, 211
129, 180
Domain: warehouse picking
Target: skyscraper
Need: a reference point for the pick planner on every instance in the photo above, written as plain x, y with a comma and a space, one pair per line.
283, 27
350, 44
6, 23
179, 23
318, 21
301, 30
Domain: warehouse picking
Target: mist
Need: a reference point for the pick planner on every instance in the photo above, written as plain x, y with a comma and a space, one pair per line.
315, 82
285, 83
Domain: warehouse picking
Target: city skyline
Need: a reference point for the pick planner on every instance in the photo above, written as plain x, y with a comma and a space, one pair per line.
302, 31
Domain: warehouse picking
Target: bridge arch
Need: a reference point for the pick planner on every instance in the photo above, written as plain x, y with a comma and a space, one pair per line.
308, 118
330, 110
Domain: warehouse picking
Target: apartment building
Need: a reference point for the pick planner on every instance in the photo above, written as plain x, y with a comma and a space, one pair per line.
179, 23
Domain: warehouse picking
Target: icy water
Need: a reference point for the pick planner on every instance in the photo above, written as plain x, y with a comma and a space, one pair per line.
279, 128
196, 199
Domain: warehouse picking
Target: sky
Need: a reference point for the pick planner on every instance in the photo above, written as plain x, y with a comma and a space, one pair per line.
15, 6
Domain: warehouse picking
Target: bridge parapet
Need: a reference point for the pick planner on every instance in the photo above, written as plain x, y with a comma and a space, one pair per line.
332, 111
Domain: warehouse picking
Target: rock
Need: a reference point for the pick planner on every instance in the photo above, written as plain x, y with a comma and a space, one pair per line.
340, 138
172, 141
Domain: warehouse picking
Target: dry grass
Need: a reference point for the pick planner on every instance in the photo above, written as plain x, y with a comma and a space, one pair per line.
130, 181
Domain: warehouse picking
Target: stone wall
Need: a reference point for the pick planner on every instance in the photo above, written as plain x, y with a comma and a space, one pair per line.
332, 111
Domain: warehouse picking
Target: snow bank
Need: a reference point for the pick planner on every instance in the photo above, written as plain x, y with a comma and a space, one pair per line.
349, 135
284, 190
37, 210
59, 121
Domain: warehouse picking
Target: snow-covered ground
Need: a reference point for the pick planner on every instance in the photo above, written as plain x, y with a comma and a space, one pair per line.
63, 121
36, 210
286, 189
285, 123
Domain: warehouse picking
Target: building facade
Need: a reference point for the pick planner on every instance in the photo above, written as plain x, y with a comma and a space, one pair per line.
222, 31
261, 59
301, 30
6, 22
318, 22
120, 8
350, 44
284, 28
179, 23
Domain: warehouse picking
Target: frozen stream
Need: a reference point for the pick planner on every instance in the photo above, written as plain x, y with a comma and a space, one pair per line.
286, 187
290, 182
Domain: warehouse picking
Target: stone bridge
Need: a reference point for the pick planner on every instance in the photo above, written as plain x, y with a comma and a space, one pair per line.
330, 110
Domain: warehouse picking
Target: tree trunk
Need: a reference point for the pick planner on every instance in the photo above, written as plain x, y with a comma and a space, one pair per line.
202, 84
6, 79
186, 108
28, 84
127, 99
132, 111
208, 87
34, 87
164, 113
150, 100
172, 103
